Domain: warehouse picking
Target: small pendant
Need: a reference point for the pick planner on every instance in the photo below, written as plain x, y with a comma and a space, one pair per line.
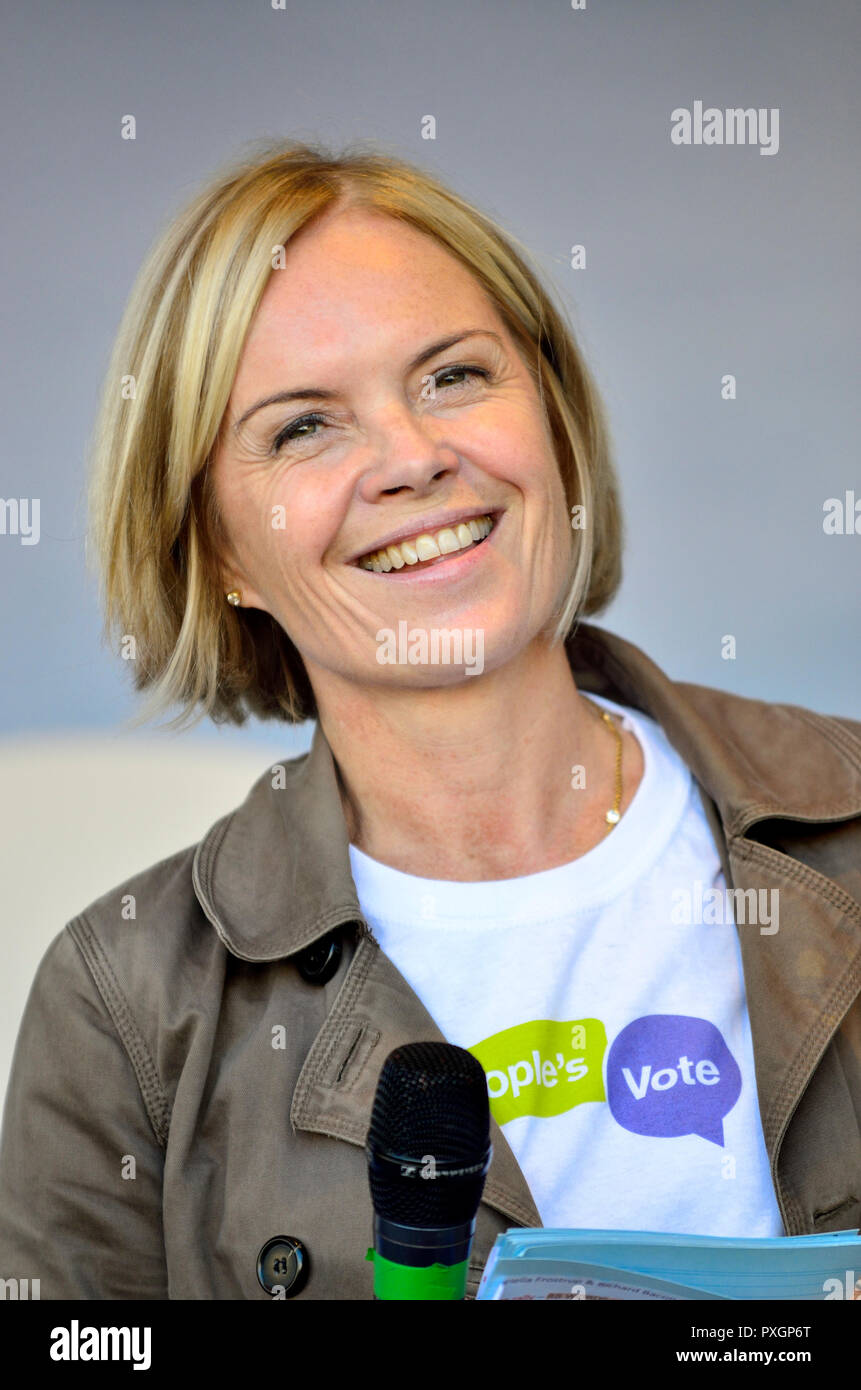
612, 817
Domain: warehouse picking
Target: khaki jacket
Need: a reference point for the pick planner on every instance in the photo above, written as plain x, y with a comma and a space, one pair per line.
155, 1134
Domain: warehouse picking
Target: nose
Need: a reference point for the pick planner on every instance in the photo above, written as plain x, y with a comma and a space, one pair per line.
406, 456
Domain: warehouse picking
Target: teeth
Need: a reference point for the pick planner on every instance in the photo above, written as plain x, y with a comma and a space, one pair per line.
427, 546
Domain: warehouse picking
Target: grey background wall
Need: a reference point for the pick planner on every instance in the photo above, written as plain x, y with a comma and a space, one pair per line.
701, 261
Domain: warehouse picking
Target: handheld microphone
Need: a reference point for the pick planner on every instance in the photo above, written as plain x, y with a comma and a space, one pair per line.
428, 1150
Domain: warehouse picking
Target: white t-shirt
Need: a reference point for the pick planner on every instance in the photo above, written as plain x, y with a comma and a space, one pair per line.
607, 1010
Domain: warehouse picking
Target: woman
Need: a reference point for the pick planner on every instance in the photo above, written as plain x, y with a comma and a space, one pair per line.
351, 466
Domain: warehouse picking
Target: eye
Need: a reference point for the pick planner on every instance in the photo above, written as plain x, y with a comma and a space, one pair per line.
460, 369
291, 432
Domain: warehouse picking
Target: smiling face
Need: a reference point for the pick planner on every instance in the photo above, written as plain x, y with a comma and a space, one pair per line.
416, 413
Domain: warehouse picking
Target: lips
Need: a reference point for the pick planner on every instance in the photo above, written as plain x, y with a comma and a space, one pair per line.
425, 547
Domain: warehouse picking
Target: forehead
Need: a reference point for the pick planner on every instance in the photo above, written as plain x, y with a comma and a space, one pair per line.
357, 279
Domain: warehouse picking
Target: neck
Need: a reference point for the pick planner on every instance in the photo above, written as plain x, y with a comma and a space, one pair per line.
472, 781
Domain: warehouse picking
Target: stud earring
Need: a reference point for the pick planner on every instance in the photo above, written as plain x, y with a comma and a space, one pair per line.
234, 597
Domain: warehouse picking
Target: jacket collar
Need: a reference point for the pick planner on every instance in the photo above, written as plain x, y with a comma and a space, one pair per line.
274, 875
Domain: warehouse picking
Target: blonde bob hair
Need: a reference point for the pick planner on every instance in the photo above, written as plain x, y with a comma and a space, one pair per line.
155, 530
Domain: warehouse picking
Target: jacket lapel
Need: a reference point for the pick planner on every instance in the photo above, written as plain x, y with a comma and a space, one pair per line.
800, 983
375, 1012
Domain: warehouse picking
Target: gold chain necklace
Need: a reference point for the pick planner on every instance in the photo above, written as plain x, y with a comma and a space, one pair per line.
614, 815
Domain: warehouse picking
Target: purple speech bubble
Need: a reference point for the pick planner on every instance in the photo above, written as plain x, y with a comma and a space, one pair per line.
670, 1074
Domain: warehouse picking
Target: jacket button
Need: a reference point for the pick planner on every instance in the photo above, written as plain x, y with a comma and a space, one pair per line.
283, 1264
319, 962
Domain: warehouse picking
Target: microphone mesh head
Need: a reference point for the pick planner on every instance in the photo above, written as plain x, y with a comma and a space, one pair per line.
431, 1103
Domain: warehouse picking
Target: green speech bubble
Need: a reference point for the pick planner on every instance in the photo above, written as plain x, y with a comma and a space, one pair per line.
543, 1067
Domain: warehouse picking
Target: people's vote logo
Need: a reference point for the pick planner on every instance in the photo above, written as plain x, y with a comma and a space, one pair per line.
669, 1074
543, 1067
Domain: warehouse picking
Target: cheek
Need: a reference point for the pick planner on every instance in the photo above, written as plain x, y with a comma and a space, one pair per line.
305, 522
520, 448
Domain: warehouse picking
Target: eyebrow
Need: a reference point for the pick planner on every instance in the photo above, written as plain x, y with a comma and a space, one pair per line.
321, 394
